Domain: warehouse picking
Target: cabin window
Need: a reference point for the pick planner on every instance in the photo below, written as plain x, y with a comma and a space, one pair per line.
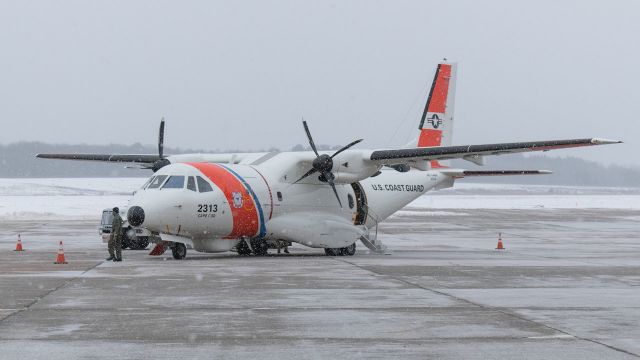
157, 181
203, 185
351, 203
191, 183
174, 182
279, 196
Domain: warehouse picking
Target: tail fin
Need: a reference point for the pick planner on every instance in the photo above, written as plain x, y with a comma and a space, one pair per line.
436, 125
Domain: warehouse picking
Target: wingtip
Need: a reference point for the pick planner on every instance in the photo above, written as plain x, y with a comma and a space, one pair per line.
545, 172
598, 141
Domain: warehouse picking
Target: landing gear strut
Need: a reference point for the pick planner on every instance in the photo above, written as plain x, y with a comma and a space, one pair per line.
259, 246
345, 251
179, 251
242, 248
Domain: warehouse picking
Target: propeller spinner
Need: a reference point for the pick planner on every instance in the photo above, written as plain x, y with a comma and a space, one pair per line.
323, 164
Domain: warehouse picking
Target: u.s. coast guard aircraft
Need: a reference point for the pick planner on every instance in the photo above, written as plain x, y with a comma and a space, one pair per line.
243, 202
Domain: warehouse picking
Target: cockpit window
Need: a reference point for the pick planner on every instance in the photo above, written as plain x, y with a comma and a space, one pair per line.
174, 182
157, 181
147, 182
203, 185
191, 183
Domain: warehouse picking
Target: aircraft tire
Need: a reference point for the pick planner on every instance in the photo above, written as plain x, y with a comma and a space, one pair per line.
260, 247
139, 243
243, 249
143, 242
332, 252
349, 250
179, 251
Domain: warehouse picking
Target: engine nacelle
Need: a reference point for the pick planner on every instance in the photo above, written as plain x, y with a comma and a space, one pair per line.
351, 167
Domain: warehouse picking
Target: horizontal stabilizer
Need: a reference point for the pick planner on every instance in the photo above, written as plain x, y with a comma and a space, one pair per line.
458, 173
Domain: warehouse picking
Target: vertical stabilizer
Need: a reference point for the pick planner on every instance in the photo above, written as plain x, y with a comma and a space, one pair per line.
436, 124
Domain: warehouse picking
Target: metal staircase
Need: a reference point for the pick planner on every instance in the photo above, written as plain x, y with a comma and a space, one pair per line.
370, 236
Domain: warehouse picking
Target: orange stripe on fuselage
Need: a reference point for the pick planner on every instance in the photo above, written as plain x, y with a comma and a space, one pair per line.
245, 218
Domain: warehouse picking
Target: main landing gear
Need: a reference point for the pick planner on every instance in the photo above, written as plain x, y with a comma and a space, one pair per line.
179, 251
345, 251
259, 247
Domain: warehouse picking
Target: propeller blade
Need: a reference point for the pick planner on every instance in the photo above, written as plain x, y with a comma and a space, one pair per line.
346, 147
313, 146
310, 172
161, 139
333, 186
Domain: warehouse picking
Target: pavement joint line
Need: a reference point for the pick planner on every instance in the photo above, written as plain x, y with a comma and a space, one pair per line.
491, 308
47, 293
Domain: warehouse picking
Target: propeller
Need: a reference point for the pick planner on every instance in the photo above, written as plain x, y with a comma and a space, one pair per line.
162, 161
323, 164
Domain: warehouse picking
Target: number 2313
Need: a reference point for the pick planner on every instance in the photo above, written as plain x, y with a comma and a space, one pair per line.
204, 208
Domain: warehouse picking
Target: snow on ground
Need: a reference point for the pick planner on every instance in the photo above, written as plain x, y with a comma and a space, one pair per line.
52, 198
630, 202
501, 196
85, 198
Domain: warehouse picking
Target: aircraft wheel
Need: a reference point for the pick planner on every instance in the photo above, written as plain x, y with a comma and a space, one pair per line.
260, 247
332, 252
139, 243
243, 249
179, 251
349, 250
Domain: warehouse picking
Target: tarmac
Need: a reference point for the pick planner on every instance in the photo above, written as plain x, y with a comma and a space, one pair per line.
567, 286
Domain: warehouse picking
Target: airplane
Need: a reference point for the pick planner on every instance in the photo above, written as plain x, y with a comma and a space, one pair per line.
246, 201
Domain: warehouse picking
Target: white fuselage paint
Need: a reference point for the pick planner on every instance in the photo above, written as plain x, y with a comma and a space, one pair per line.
272, 206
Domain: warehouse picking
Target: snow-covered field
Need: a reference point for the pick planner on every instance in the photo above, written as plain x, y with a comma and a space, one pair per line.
50, 198
84, 198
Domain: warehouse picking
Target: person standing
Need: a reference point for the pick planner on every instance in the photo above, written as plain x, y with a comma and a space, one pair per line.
115, 239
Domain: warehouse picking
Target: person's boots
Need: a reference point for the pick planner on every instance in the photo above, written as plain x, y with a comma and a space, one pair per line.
110, 258
286, 250
117, 259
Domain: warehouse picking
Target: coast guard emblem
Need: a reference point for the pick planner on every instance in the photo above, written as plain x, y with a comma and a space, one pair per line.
237, 199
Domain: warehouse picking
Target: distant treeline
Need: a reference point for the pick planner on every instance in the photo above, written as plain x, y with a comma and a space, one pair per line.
18, 161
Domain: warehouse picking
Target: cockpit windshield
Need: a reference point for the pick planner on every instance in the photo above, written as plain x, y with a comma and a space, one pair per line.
157, 181
147, 182
203, 185
174, 182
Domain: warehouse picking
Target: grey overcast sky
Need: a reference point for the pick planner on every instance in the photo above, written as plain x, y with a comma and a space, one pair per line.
240, 74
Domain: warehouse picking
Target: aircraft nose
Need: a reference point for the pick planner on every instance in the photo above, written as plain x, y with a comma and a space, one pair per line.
135, 215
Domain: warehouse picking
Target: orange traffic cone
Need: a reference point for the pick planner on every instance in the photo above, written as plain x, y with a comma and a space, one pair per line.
60, 258
500, 247
19, 244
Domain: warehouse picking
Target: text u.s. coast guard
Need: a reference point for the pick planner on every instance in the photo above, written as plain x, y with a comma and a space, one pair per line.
395, 187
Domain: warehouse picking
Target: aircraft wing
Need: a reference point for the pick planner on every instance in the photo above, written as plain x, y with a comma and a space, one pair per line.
400, 156
129, 158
